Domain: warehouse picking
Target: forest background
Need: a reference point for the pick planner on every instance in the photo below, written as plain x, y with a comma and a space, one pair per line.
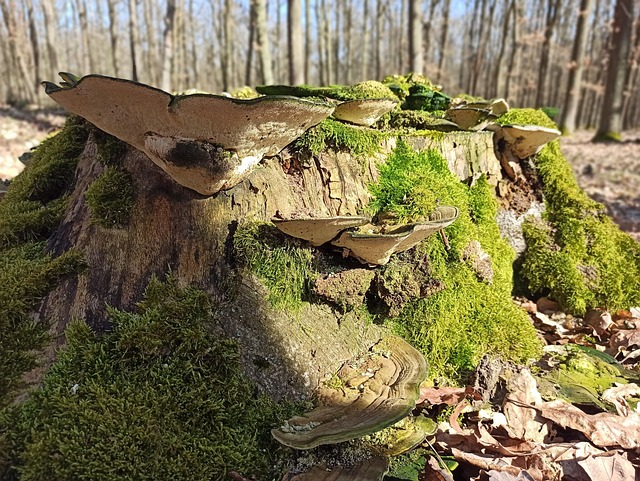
533, 53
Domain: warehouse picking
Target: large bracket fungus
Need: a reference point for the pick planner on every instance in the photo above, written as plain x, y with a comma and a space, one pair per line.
318, 230
204, 142
373, 394
364, 111
526, 140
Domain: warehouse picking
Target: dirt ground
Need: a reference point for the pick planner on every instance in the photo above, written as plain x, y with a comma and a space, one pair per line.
610, 173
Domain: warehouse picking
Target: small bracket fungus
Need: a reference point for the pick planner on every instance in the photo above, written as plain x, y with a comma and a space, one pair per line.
364, 111
377, 248
526, 140
379, 392
204, 142
470, 118
372, 469
318, 230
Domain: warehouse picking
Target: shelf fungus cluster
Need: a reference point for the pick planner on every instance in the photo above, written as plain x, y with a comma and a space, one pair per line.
204, 142
369, 243
476, 116
365, 397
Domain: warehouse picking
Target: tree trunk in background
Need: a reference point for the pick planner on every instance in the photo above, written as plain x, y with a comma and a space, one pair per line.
349, 43
113, 35
380, 13
365, 41
264, 52
193, 51
133, 38
167, 45
295, 42
416, 54
50, 28
227, 71
444, 35
610, 124
427, 27
22, 89
514, 60
307, 40
87, 62
570, 109
326, 34
545, 56
498, 75
35, 50
248, 71
632, 79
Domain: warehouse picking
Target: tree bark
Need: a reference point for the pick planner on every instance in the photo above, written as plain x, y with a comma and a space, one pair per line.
113, 35
552, 18
21, 89
610, 124
296, 46
174, 229
416, 63
167, 45
570, 110
50, 27
35, 50
444, 36
133, 38
87, 58
264, 52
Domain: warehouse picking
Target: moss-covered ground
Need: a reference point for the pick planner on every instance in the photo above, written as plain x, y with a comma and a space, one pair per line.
29, 212
158, 397
577, 255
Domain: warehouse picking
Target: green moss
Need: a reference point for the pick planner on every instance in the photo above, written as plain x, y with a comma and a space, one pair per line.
578, 256
110, 198
109, 149
279, 261
456, 326
158, 397
607, 137
29, 212
526, 117
420, 120
370, 89
359, 141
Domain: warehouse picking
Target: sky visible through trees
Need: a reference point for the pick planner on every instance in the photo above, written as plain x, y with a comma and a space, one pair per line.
521, 50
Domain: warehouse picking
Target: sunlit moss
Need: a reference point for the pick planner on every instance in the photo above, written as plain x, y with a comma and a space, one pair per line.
333, 134
458, 324
158, 397
279, 261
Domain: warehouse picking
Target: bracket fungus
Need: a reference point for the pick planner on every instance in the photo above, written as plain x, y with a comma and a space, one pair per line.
526, 140
476, 115
318, 230
377, 248
204, 142
364, 111
372, 469
374, 394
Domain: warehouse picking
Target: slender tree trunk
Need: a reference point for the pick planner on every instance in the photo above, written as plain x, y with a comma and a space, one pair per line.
380, 13
497, 70
133, 38
167, 45
296, 47
365, 41
248, 71
568, 122
321, 49
307, 41
18, 60
113, 35
35, 50
326, 32
444, 35
87, 63
610, 124
427, 27
545, 56
416, 63
50, 27
349, 43
227, 73
264, 52
193, 46
514, 60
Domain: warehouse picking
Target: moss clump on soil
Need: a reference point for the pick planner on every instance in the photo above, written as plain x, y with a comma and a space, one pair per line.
158, 397
110, 198
577, 255
279, 261
359, 141
29, 212
467, 317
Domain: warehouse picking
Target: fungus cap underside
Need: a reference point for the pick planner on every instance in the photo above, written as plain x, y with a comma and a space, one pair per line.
318, 230
527, 140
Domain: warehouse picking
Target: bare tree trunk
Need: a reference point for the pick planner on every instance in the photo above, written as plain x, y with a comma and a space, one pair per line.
50, 27
426, 27
227, 73
133, 38
444, 34
610, 124
19, 66
193, 46
416, 63
307, 41
35, 50
365, 40
515, 54
552, 18
326, 33
88, 65
248, 71
294, 37
349, 43
167, 42
380, 13
262, 35
113, 34
568, 122
497, 70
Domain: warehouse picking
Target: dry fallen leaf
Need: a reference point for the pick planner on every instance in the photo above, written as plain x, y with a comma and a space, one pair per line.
524, 422
624, 339
616, 396
446, 395
603, 429
608, 467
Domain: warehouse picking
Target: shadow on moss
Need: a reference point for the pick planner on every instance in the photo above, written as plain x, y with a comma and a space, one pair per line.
110, 198
159, 397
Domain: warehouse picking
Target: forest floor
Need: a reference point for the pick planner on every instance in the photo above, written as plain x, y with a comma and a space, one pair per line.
610, 173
